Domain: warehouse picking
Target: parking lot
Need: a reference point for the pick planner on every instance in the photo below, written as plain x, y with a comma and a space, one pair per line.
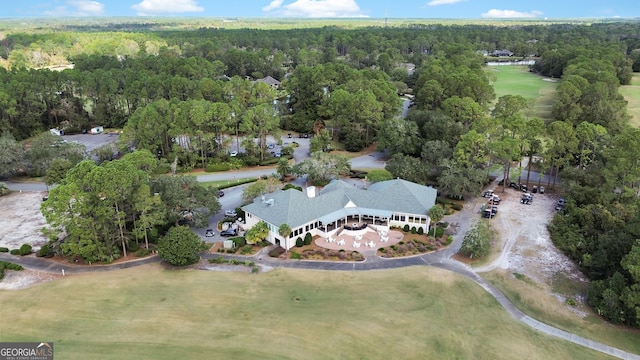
92, 142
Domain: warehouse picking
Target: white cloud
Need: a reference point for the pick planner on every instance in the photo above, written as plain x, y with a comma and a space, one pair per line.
156, 7
77, 8
442, 2
273, 5
316, 8
510, 14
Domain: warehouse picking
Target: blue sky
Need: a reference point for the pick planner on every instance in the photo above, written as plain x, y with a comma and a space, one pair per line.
472, 9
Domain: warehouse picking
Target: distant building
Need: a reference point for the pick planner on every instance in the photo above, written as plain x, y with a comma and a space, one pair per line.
275, 84
339, 206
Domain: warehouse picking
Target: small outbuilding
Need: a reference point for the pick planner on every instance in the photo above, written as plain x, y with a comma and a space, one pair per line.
97, 130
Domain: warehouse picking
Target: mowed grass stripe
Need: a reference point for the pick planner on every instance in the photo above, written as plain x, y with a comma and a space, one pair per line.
149, 312
631, 93
517, 80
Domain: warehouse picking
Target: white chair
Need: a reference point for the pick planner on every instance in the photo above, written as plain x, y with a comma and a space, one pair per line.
341, 242
356, 244
358, 237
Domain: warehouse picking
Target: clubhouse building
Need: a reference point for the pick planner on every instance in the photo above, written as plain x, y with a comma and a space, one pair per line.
342, 209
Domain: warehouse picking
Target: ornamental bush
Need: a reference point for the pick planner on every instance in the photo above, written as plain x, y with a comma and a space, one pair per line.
180, 246
307, 239
25, 249
406, 228
420, 231
299, 242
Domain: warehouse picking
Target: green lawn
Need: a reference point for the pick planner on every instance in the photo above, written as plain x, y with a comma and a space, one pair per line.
152, 313
631, 93
517, 80
219, 183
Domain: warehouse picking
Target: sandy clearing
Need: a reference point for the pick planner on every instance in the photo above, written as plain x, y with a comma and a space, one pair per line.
524, 239
21, 220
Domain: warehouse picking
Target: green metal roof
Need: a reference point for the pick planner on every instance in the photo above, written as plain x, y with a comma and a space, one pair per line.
295, 208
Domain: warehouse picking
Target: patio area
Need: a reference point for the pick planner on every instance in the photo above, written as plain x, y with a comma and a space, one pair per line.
367, 240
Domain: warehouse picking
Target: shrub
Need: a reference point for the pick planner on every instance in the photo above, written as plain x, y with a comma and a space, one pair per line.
457, 206
295, 255
414, 230
217, 167
439, 232
180, 246
307, 238
291, 186
406, 228
247, 249
4, 249
299, 242
239, 241
449, 240
431, 232
45, 251
231, 251
276, 252
142, 252
133, 247
420, 231
25, 249
14, 252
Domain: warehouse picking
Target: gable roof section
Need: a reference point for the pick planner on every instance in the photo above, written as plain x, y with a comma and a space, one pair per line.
336, 201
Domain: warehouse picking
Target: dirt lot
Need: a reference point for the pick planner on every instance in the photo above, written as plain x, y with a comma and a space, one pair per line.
524, 245
21, 220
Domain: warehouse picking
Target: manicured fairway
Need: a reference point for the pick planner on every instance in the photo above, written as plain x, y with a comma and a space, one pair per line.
631, 93
152, 313
517, 80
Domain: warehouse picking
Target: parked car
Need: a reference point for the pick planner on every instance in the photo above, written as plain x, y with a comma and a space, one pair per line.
487, 213
289, 135
494, 210
231, 213
562, 203
534, 189
233, 154
209, 233
220, 193
229, 232
527, 199
524, 188
271, 146
495, 199
541, 190
487, 193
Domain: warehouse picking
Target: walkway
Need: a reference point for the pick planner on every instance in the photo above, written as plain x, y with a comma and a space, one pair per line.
440, 259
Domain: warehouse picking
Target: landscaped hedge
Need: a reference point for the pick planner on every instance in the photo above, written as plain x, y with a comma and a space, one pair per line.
439, 232
10, 266
457, 206
239, 241
4, 249
45, 251
25, 249
217, 167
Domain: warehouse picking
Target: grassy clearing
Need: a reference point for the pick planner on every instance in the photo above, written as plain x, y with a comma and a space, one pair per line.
148, 312
534, 300
517, 80
631, 93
